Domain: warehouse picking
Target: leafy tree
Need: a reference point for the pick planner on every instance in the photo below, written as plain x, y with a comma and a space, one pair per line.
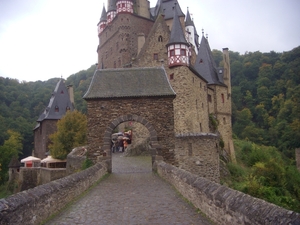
71, 133
11, 148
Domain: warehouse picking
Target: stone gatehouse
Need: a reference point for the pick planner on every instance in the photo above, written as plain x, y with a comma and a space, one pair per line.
143, 95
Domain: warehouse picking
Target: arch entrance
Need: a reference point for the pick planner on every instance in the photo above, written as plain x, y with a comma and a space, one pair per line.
155, 148
143, 95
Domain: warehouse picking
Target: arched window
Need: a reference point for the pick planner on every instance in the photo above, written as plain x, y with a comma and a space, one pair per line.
160, 38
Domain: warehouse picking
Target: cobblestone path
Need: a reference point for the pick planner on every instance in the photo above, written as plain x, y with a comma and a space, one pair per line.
132, 194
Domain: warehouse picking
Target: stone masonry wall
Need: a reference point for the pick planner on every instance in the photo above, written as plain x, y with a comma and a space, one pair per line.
37, 204
105, 115
41, 137
118, 43
32, 177
198, 154
222, 204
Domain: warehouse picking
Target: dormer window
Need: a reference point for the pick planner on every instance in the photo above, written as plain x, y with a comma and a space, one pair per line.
56, 109
68, 108
201, 60
62, 92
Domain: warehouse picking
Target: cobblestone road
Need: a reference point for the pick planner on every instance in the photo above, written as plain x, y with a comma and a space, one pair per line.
132, 194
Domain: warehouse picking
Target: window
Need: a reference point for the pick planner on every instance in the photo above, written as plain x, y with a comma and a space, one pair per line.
224, 120
160, 39
201, 61
172, 52
155, 56
62, 92
182, 52
56, 109
209, 98
172, 76
222, 96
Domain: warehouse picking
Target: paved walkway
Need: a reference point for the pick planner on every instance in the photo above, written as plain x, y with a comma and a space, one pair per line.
132, 194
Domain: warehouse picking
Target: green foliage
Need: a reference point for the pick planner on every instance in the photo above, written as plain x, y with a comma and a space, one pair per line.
71, 133
266, 98
263, 172
11, 148
86, 164
213, 122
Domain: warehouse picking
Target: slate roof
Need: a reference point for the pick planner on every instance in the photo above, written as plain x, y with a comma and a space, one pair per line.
165, 7
188, 20
205, 64
103, 15
112, 6
60, 98
132, 82
177, 33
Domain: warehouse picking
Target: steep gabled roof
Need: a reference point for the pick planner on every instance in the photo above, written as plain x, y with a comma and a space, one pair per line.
133, 82
165, 7
159, 25
205, 64
60, 98
177, 33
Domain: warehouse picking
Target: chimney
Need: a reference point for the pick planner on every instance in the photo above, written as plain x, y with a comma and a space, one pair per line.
71, 94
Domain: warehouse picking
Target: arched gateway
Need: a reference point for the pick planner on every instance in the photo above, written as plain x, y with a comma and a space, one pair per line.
143, 95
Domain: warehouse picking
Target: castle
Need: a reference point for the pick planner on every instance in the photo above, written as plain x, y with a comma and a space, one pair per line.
133, 35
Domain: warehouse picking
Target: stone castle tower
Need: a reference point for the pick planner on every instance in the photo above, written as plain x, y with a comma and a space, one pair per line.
62, 100
131, 34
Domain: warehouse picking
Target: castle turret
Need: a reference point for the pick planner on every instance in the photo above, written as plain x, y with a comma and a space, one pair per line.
178, 47
111, 10
191, 33
103, 21
124, 6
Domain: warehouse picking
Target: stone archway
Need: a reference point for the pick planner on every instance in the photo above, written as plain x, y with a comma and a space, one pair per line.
138, 94
154, 144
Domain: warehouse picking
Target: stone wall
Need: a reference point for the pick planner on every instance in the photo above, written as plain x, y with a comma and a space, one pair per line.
222, 204
41, 137
37, 204
198, 154
155, 113
118, 43
32, 177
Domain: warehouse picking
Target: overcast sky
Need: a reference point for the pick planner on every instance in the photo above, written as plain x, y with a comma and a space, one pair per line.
43, 39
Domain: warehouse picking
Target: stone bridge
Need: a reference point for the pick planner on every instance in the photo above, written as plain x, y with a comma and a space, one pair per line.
133, 194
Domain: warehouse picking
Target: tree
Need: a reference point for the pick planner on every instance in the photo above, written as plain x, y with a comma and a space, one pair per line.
71, 133
11, 148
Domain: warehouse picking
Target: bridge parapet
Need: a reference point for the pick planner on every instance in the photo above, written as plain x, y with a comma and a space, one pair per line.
222, 204
35, 205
